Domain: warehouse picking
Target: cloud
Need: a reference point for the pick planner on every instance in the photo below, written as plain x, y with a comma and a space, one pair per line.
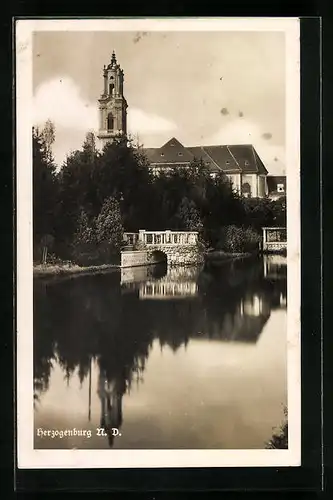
60, 100
244, 131
142, 122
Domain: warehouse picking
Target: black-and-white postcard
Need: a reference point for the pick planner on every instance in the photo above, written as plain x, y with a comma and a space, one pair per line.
158, 242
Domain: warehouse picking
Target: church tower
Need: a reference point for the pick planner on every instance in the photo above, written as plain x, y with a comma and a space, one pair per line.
112, 104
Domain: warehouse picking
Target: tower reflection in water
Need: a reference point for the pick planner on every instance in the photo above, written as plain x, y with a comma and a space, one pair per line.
111, 394
114, 320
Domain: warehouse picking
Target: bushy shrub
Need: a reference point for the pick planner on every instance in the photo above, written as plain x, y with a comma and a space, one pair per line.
202, 245
235, 239
84, 241
98, 241
279, 440
260, 212
54, 260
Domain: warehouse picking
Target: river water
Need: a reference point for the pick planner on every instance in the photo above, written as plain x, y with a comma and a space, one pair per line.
191, 357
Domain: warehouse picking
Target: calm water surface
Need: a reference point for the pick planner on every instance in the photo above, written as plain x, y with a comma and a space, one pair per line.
173, 358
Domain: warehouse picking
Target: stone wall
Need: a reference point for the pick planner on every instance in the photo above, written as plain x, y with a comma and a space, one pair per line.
275, 246
134, 258
186, 254
175, 254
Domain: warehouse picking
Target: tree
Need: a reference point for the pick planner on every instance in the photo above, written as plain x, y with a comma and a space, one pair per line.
48, 137
89, 144
84, 241
220, 207
44, 195
77, 190
122, 172
279, 211
260, 212
188, 217
109, 228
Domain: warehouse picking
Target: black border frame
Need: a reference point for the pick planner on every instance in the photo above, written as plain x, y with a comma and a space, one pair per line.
308, 477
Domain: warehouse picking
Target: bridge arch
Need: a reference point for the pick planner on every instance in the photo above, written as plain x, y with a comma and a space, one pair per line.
158, 256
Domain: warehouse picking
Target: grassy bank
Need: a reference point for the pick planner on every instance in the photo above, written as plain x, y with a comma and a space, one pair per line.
41, 270
66, 269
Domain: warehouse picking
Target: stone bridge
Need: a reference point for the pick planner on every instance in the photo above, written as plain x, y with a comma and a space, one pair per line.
176, 247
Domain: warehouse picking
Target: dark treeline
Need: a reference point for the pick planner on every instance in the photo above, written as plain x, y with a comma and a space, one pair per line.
84, 207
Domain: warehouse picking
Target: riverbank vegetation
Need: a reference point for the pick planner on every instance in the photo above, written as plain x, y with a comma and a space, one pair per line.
82, 207
65, 268
279, 440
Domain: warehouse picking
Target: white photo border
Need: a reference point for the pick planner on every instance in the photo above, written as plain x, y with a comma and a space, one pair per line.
27, 456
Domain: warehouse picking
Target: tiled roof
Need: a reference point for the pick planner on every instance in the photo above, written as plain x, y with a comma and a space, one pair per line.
172, 152
223, 157
236, 158
261, 167
200, 153
247, 158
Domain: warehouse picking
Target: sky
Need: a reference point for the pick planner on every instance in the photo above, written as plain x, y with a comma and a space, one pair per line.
204, 88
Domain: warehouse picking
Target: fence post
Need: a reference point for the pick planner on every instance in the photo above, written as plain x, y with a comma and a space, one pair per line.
142, 235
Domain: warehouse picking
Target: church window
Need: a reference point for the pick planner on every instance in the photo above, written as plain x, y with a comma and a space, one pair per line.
110, 121
180, 154
111, 88
247, 163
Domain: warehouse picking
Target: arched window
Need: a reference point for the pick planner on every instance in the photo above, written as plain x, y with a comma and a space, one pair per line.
111, 88
110, 121
246, 189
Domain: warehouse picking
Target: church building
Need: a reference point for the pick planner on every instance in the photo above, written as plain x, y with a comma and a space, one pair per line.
240, 163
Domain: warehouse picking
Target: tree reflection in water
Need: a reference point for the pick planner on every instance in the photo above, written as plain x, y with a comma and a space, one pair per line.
109, 320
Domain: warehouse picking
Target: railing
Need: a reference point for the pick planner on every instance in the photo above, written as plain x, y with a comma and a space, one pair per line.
274, 238
131, 238
167, 290
162, 237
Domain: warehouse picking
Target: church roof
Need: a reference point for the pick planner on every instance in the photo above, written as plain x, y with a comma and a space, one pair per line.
199, 152
171, 152
221, 155
230, 159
